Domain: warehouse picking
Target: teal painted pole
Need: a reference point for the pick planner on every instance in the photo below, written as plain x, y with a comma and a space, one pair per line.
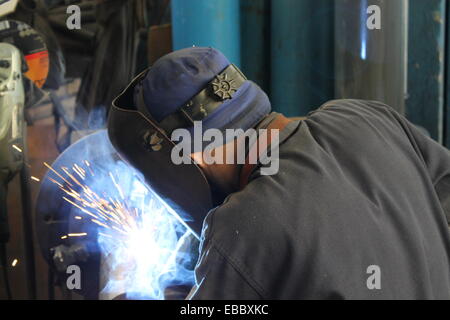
302, 76
425, 103
447, 87
207, 23
255, 41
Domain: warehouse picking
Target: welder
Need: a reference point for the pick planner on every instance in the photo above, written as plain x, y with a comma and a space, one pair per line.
358, 208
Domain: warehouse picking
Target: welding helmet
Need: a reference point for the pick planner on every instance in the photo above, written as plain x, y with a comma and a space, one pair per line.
193, 84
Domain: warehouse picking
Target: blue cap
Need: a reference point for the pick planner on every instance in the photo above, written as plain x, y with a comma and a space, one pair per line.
178, 76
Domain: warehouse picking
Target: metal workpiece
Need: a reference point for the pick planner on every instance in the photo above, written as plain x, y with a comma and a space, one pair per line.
55, 217
113, 257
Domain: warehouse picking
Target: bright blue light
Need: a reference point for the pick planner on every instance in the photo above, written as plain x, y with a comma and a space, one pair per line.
363, 29
149, 257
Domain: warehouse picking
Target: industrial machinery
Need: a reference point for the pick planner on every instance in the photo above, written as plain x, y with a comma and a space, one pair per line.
23, 69
166, 251
13, 153
12, 133
7, 6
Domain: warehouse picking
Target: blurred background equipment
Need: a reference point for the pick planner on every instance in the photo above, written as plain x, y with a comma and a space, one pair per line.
301, 52
375, 67
23, 64
12, 141
218, 21
8, 6
306, 52
68, 86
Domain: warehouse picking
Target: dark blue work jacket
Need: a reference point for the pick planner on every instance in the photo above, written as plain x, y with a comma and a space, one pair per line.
358, 210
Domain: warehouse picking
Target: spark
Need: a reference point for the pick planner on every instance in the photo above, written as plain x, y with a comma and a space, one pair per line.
35, 179
83, 172
124, 223
81, 234
82, 209
116, 185
17, 148
104, 235
107, 212
66, 171
99, 223
49, 167
121, 231
14, 263
79, 173
89, 167
56, 182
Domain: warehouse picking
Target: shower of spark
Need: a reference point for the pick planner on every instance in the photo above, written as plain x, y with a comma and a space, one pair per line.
140, 237
17, 148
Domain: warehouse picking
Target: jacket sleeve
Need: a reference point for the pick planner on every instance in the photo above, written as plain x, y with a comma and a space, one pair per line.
217, 279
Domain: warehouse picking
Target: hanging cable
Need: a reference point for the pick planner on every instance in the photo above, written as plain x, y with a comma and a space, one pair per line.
4, 237
4, 265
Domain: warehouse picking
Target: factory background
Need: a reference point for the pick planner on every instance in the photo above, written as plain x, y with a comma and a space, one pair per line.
301, 52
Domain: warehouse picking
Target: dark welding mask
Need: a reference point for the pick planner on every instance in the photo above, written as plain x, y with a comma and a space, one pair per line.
194, 84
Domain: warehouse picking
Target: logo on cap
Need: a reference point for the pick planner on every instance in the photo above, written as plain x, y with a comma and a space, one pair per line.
223, 88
